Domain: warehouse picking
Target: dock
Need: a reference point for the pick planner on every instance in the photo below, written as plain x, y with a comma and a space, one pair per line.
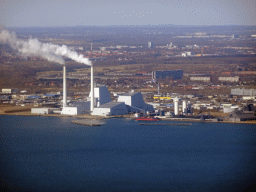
171, 124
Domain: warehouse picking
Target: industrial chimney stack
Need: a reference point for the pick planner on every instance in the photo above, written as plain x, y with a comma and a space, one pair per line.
92, 90
64, 87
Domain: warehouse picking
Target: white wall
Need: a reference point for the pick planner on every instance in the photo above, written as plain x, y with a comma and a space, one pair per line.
42, 110
119, 109
126, 99
100, 94
69, 111
136, 102
101, 111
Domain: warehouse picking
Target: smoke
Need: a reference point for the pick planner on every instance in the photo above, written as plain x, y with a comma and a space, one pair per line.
48, 51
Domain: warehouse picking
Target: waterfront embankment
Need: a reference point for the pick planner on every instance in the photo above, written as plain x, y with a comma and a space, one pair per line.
26, 111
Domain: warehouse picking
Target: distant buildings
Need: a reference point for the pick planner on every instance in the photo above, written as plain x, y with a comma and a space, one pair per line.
250, 92
6, 91
229, 79
175, 74
186, 54
204, 79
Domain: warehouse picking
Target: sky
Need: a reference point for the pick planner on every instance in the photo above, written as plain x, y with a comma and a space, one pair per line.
52, 13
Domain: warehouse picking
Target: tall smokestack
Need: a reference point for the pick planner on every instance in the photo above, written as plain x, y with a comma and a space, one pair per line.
64, 87
92, 90
91, 46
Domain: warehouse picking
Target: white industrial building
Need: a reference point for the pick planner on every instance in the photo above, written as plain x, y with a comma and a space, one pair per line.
101, 96
10, 91
205, 79
229, 79
111, 108
229, 109
99, 101
43, 111
76, 108
238, 91
127, 102
135, 102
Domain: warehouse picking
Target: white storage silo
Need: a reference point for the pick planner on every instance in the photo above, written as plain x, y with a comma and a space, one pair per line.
176, 106
184, 107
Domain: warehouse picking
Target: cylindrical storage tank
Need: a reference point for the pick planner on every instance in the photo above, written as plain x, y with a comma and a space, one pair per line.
176, 106
184, 107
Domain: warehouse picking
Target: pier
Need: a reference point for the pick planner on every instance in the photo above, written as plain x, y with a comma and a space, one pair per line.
171, 124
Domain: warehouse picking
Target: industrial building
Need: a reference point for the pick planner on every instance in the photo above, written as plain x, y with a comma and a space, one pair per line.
76, 108
127, 102
99, 101
6, 91
175, 74
111, 108
43, 111
162, 97
229, 109
229, 79
238, 116
135, 102
101, 95
249, 92
186, 54
204, 79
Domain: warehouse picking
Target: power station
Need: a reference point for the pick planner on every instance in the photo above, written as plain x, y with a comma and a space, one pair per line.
99, 101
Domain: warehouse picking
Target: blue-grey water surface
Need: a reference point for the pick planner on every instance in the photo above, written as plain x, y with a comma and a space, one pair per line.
52, 154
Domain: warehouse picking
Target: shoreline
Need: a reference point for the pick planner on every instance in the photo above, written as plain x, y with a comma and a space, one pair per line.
88, 116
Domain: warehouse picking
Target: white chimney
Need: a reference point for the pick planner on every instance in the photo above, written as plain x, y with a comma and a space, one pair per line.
64, 87
92, 90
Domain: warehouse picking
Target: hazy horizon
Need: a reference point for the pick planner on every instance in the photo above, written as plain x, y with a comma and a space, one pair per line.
160, 25
67, 13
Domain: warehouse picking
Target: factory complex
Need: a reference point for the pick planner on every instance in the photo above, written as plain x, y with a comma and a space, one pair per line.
99, 102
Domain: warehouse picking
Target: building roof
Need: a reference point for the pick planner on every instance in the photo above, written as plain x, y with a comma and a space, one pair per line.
110, 104
129, 94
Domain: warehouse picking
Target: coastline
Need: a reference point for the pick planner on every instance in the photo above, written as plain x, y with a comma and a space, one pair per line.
88, 116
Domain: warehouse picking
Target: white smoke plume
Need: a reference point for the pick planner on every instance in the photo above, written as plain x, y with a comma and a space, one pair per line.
48, 51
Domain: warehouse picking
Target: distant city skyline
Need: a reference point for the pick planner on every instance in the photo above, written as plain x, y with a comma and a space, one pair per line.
49, 13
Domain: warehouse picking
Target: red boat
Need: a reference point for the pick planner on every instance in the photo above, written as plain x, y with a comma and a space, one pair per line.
146, 119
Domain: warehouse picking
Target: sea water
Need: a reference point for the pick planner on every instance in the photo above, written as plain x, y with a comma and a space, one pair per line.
52, 154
